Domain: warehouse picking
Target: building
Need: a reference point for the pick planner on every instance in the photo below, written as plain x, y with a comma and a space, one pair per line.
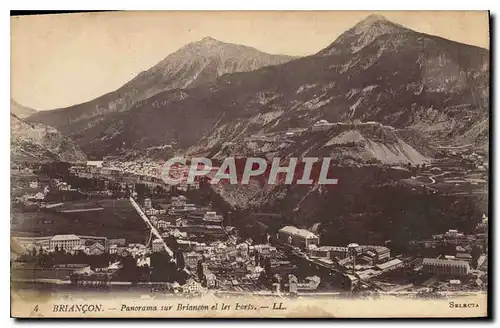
309, 284
210, 280
30, 242
65, 242
113, 249
243, 249
212, 218
96, 249
322, 125
36, 197
162, 224
154, 220
179, 201
297, 237
330, 252
118, 242
264, 249
90, 240
191, 259
445, 267
375, 254
390, 265
464, 257
292, 284
147, 203
157, 245
452, 233
144, 262
152, 211
181, 222
191, 287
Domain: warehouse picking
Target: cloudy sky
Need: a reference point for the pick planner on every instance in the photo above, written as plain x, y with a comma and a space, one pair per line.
62, 60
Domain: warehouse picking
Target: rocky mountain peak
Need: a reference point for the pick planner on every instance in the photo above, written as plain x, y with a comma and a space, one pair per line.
208, 40
364, 33
372, 19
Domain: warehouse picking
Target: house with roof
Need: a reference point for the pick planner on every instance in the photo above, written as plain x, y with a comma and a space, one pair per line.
162, 224
445, 267
210, 280
144, 262
113, 249
96, 249
65, 242
212, 218
191, 287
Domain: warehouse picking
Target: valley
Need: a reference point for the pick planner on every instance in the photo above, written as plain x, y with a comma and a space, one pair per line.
401, 116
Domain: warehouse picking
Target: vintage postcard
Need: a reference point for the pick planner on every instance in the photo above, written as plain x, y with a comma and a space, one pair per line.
320, 164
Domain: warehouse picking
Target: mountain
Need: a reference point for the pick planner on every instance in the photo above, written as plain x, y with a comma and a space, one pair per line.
376, 71
20, 111
346, 144
38, 142
192, 65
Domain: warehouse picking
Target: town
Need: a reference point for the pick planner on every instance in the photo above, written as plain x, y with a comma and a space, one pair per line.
185, 247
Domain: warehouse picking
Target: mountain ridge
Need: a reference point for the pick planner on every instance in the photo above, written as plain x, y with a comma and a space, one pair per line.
193, 64
20, 110
41, 143
376, 71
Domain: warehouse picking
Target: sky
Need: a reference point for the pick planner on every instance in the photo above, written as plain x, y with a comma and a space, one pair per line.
62, 60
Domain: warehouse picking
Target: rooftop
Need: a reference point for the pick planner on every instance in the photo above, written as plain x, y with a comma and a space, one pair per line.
65, 237
444, 262
300, 232
389, 264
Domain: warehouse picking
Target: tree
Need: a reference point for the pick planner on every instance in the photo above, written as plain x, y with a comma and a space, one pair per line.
267, 266
261, 261
475, 253
257, 258
162, 269
127, 191
180, 259
129, 271
199, 270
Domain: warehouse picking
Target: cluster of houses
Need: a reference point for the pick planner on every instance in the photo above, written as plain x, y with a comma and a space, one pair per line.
463, 244
182, 214
366, 260
126, 172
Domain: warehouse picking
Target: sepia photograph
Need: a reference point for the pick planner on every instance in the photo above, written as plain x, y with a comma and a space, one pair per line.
243, 164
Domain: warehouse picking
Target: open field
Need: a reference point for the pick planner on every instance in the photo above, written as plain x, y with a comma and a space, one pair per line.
117, 219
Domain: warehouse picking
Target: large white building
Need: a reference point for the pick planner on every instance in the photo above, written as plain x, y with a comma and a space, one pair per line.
445, 267
66, 242
297, 237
